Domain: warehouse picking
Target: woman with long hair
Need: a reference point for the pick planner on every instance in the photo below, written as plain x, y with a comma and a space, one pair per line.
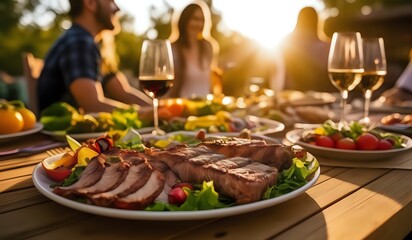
195, 52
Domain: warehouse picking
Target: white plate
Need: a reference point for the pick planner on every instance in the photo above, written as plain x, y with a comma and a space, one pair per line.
42, 183
12, 136
270, 126
61, 135
219, 134
349, 155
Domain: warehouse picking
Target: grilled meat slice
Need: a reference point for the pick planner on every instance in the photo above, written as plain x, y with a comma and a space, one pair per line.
238, 177
112, 177
276, 155
145, 195
136, 178
91, 174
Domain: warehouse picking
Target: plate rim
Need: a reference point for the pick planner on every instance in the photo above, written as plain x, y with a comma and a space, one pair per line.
37, 127
42, 183
289, 136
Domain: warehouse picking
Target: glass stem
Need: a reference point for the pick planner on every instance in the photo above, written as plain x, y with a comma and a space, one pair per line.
344, 94
368, 95
155, 114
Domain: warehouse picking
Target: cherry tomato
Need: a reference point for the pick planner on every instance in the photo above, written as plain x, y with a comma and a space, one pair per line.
325, 141
367, 141
336, 136
384, 144
183, 184
177, 196
346, 143
176, 109
164, 113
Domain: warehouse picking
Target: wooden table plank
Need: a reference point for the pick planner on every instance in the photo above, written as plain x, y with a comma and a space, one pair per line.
16, 162
269, 222
16, 184
26, 222
16, 173
18, 199
363, 214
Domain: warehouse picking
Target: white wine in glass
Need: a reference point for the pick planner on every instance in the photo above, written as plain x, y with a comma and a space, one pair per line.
345, 64
374, 64
156, 73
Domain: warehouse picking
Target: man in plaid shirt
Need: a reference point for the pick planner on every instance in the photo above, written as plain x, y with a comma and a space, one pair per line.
72, 68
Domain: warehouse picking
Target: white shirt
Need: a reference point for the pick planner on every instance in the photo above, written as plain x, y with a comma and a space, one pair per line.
405, 80
197, 81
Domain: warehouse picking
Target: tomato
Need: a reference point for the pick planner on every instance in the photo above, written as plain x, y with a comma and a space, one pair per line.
11, 120
164, 113
29, 119
346, 143
176, 109
183, 184
61, 168
336, 136
384, 144
367, 141
177, 196
325, 141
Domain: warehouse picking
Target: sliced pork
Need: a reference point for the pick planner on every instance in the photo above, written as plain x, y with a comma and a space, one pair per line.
91, 174
145, 195
137, 177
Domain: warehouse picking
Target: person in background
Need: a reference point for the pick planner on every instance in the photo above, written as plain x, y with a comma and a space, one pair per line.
195, 52
401, 93
305, 55
72, 69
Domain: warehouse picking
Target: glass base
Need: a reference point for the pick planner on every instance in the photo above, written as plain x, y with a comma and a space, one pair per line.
158, 132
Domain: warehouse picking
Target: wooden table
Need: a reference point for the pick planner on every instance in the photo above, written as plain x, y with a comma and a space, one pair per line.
345, 203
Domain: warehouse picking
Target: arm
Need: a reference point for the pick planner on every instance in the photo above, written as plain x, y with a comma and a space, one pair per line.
89, 95
118, 88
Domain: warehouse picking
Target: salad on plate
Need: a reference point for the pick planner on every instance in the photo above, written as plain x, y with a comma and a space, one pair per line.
180, 172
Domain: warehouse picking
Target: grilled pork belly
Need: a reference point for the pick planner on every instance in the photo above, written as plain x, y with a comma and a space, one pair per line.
276, 155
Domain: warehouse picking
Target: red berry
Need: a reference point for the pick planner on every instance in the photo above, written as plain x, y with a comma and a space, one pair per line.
367, 141
346, 143
177, 196
325, 141
384, 144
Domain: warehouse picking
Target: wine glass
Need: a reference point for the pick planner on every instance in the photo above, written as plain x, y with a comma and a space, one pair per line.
156, 73
374, 64
345, 64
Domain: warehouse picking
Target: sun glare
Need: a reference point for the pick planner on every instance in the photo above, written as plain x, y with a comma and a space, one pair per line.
267, 22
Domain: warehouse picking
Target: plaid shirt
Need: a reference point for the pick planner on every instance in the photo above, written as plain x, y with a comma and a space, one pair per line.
74, 55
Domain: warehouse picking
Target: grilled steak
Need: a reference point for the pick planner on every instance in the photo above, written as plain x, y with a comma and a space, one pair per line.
240, 178
276, 155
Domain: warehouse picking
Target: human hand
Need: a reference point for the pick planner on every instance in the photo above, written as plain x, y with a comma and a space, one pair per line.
397, 96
